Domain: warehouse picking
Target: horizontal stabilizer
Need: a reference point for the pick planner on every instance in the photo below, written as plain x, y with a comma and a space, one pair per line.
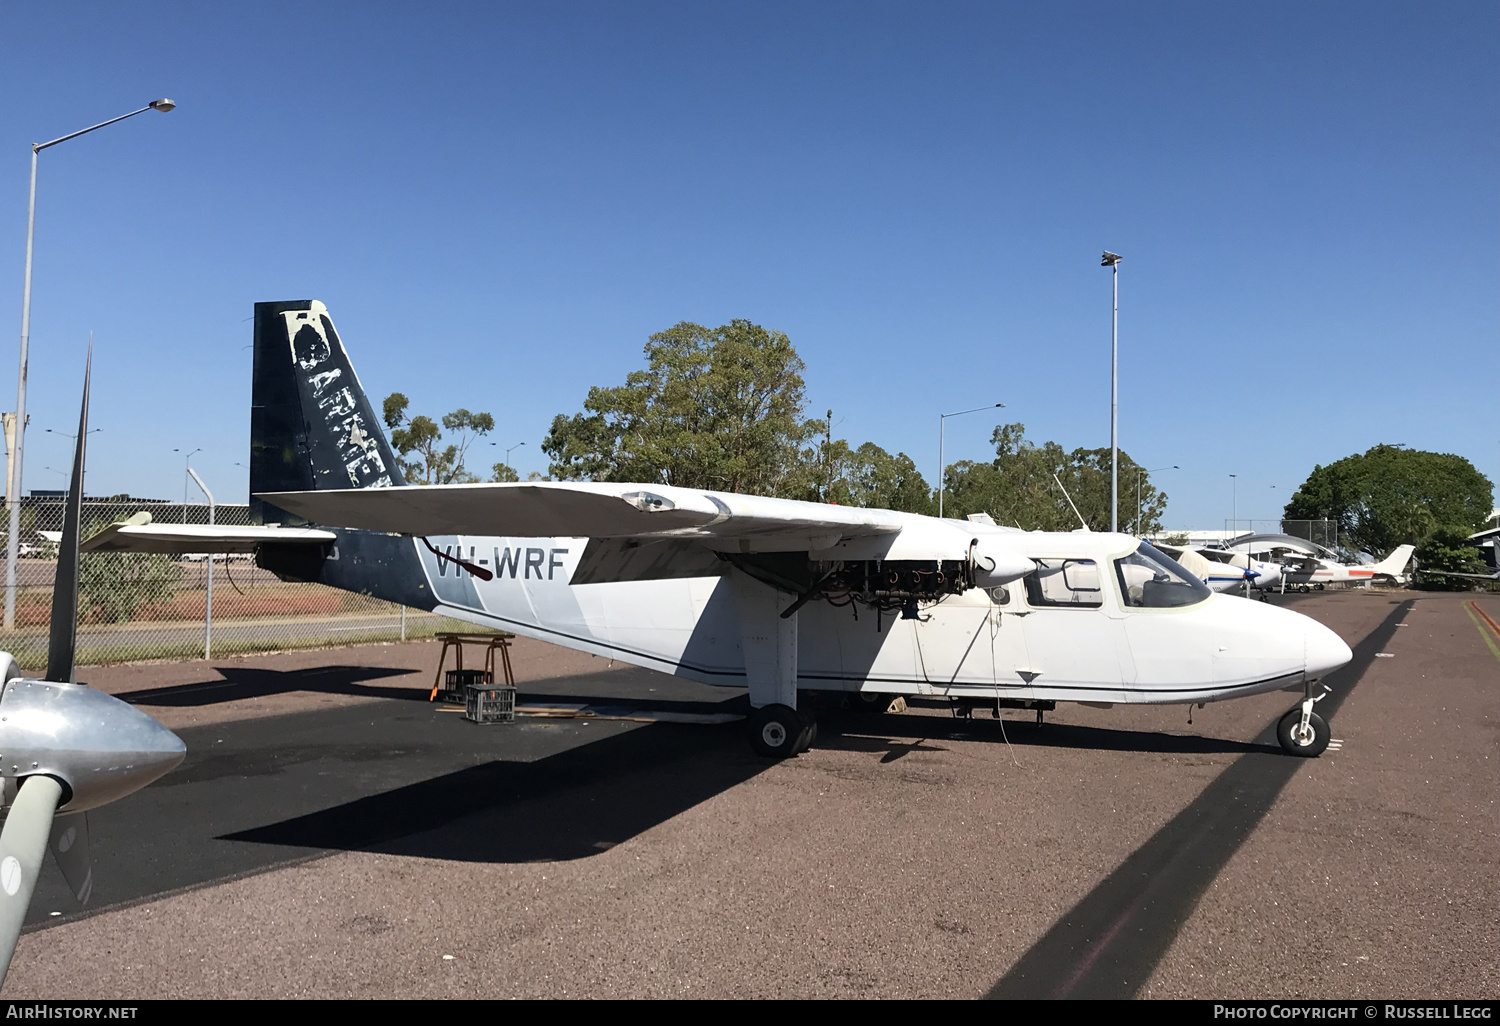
1454, 573
591, 510
138, 534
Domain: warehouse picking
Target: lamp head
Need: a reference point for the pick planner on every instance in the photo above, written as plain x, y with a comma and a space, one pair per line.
162, 105
1109, 259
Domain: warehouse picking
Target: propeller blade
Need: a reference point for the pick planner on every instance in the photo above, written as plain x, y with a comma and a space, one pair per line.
62, 639
69, 842
23, 842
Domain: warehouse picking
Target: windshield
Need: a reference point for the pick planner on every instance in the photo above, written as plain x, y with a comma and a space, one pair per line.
1150, 579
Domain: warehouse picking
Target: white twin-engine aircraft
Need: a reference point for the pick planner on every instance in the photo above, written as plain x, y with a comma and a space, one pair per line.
775, 595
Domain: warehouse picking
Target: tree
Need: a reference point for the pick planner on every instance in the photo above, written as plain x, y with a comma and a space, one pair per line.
470, 427
437, 464
502, 473
1020, 487
112, 586
1390, 495
717, 408
1449, 548
873, 478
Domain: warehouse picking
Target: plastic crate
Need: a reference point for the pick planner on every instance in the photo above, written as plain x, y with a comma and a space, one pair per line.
456, 684
490, 703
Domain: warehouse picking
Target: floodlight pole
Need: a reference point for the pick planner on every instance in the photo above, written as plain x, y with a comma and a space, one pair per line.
1112, 261
13, 484
942, 467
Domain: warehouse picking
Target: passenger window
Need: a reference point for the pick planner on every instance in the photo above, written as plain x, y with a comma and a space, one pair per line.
1069, 583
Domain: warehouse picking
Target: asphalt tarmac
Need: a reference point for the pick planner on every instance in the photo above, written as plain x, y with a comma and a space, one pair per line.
332, 834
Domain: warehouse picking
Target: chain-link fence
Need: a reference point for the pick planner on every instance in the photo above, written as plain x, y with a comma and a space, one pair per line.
136, 606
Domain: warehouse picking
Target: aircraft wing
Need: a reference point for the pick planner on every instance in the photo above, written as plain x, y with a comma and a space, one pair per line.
592, 510
139, 535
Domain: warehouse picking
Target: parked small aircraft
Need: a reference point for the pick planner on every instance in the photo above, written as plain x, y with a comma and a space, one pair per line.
1307, 565
775, 595
66, 747
1225, 572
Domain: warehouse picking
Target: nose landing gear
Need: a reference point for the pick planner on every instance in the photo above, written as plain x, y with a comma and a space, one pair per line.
1303, 732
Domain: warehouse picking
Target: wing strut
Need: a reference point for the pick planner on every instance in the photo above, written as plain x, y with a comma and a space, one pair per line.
808, 594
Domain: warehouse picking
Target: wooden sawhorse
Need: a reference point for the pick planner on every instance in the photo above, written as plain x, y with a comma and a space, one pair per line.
491, 641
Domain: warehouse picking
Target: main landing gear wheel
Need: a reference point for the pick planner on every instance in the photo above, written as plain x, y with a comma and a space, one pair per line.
809, 734
1306, 741
779, 731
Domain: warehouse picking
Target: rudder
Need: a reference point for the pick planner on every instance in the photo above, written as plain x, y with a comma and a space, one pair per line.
1395, 563
311, 424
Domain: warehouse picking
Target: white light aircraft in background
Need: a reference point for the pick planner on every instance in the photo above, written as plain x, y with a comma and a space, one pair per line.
1306, 565
775, 595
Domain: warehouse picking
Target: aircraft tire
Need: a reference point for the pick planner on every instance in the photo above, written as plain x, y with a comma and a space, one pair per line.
776, 731
1307, 748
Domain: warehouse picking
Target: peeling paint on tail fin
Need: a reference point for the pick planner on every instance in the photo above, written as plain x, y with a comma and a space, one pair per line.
311, 424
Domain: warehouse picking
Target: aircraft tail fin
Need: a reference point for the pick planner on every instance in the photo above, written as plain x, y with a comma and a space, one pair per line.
311, 424
1394, 565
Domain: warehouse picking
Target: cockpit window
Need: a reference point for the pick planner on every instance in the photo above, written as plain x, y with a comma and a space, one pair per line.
1072, 583
1149, 579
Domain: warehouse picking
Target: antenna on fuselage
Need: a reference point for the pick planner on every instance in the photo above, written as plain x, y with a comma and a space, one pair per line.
1077, 514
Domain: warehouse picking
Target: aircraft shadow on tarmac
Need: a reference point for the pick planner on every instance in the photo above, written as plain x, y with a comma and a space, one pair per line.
241, 682
593, 796
569, 805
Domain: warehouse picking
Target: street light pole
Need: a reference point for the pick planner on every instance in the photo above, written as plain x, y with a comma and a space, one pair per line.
187, 466
1112, 261
1139, 471
13, 485
1234, 508
208, 616
942, 467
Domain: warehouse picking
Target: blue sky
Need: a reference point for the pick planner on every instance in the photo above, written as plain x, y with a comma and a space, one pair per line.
500, 202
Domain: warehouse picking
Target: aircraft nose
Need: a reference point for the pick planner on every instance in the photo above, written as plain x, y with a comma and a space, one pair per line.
1326, 651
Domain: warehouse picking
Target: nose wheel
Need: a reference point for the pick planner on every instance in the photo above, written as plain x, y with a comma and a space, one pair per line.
1303, 732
